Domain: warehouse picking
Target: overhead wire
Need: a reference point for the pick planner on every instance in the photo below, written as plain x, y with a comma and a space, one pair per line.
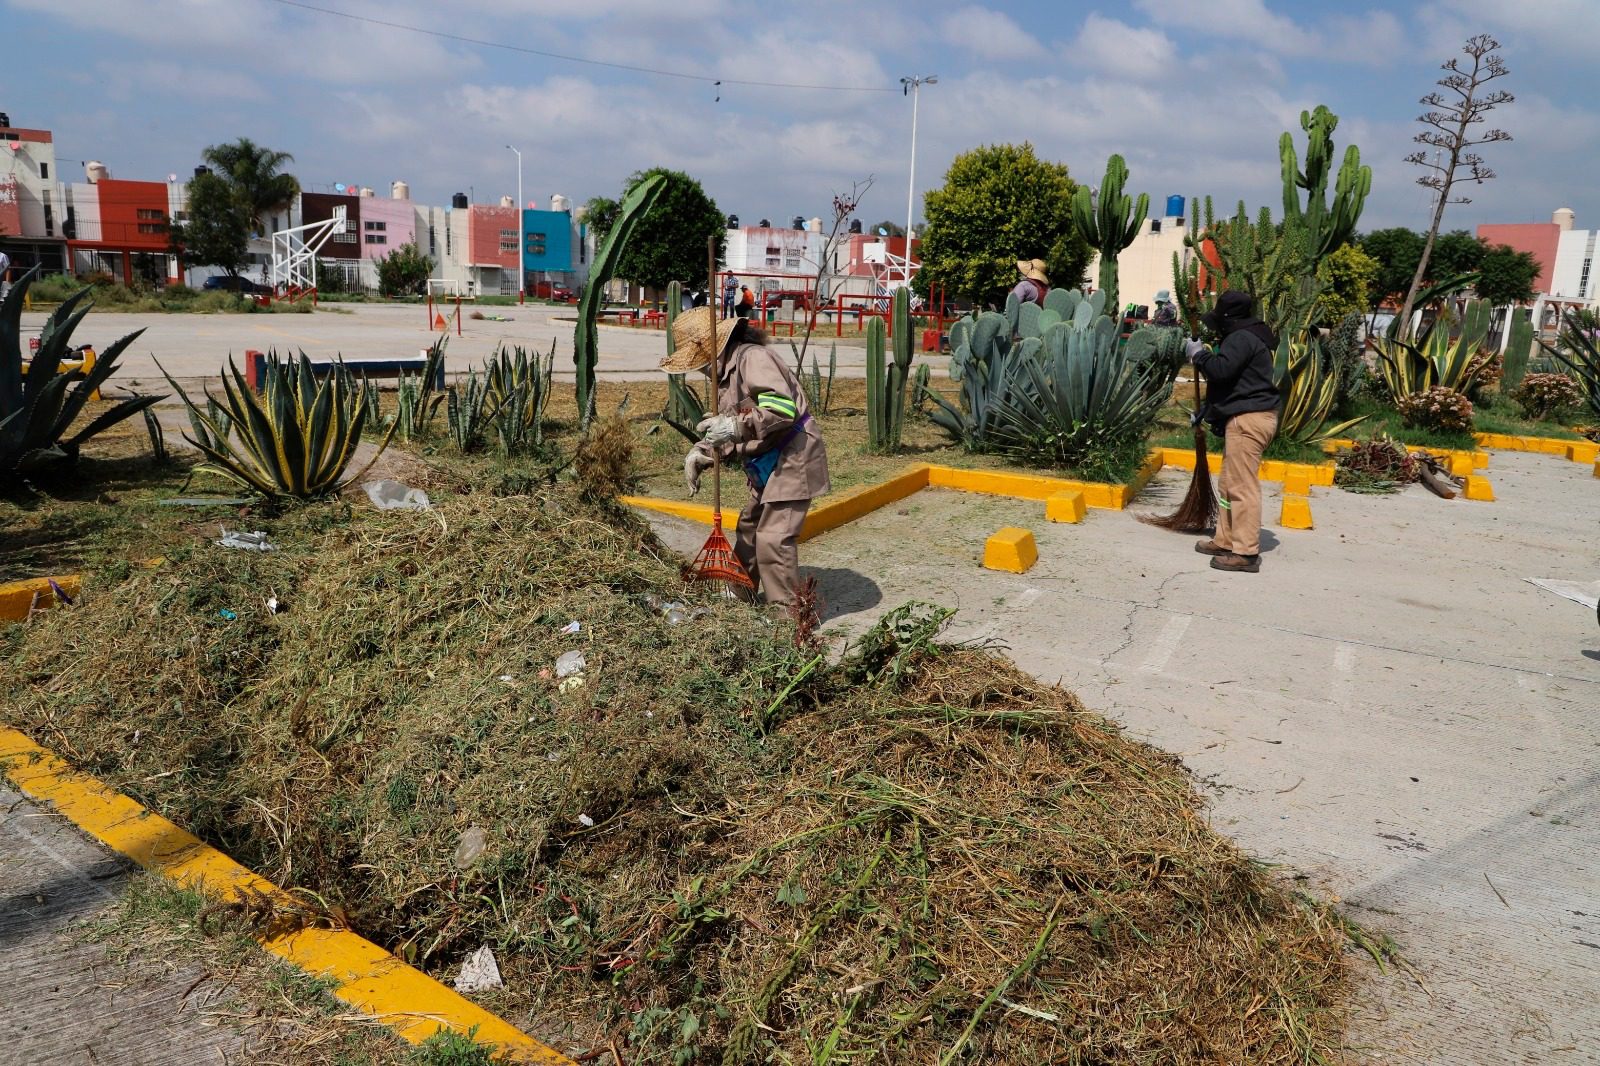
708, 79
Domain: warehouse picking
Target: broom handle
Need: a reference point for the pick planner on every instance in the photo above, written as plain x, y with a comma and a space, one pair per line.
716, 373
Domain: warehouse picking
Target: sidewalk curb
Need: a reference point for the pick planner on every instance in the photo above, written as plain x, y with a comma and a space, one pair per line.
365, 976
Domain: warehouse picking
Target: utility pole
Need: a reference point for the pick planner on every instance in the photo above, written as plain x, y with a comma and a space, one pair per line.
913, 87
521, 238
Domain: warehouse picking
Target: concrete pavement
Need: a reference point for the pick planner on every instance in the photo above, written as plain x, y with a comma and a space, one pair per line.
1388, 708
196, 347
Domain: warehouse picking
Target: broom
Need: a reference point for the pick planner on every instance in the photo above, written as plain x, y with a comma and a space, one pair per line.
717, 561
1198, 512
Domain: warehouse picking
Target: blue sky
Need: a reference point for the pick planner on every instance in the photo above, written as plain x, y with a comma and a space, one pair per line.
1193, 95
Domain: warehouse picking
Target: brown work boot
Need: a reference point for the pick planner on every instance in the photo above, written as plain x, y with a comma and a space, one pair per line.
1210, 547
1243, 564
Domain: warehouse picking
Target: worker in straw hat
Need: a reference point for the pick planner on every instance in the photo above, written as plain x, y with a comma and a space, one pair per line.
1035, 283
763, 422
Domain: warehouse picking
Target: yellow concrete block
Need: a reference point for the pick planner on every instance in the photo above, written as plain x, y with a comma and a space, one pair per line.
1011, 549
1461, 464
1480, 460
17, 598
1274, 470
1065, 507
1583, 451
1297, 482
1478, 488
1296, 512
1597, 468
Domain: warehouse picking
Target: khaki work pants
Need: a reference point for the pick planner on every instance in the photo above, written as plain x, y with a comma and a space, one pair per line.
767, 542
1239, 494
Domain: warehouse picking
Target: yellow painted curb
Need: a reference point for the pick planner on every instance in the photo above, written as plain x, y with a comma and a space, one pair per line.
1297, 483
1011, 549
1296, 512
1065, 507
1478, 488
365, 976
1597, 468
1510, 443
1583, 451
863, 501
19, 598
694, 512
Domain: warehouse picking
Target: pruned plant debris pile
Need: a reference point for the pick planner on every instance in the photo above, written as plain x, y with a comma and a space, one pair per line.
1376, 466
702, 845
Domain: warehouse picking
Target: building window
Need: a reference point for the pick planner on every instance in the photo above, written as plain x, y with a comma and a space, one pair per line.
791, 264
345, 234
147, 214
377, 227
508, 247
1583, 278
44, 171
49, 222
772, 261
771, 250
377, 238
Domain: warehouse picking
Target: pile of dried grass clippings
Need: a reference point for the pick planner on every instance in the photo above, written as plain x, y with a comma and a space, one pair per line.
917, 854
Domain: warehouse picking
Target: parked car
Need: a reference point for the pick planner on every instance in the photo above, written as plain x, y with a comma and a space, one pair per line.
549, 290
228, 283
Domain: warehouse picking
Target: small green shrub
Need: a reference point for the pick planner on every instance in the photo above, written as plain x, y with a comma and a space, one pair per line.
1547, 395
1438, 409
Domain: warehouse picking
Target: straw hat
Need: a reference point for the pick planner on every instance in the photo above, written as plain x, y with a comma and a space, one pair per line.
1033, 270
691, 339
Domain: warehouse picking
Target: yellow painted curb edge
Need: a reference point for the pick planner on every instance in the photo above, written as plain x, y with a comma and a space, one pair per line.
365, 976
17, 597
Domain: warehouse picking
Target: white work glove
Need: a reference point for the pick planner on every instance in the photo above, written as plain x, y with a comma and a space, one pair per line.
1192, 346
718, 429
695, 463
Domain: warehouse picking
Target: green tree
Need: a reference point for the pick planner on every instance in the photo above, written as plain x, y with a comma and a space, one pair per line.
255, 173
1507, 275
404, 271
217, 232
1348, 275
669, 243
999, 203
1455, 253
1396, 251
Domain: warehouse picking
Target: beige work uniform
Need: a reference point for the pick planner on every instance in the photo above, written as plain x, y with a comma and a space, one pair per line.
759, 389
1239, 492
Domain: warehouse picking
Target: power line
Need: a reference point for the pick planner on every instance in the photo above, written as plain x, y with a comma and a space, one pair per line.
479, 42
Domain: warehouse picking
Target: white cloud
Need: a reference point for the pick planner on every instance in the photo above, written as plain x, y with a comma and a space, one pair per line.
990, 34
1241, 20
1119, 49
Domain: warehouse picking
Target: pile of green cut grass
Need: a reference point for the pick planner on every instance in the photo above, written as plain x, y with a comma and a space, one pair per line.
718, 848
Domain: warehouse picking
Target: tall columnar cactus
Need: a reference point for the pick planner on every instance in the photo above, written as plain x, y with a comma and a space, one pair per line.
1112, 224
886, 381
585, 344
1519, 346
1330, 225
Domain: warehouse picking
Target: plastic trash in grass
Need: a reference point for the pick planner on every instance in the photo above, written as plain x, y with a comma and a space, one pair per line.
480, 973
253, 542
389, 495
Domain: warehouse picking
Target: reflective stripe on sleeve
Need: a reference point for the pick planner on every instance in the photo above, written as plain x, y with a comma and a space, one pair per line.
777, 404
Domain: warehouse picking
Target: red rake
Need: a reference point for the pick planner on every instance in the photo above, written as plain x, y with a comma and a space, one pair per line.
717, 561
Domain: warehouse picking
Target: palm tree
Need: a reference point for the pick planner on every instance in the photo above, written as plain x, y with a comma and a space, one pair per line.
255, 172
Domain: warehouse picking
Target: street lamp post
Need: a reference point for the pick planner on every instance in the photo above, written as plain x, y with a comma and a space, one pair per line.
522, 239
913, 87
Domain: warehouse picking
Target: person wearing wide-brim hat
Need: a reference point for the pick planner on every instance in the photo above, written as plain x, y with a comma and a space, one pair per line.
1035, 283
1242, 408
764, 423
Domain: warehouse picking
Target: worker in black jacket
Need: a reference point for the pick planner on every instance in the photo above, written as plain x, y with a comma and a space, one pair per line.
1242, 408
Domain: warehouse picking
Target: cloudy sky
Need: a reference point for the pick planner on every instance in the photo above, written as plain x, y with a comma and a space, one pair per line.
1193, 95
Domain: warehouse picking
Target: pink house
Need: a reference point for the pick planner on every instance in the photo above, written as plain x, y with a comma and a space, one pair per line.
386, 225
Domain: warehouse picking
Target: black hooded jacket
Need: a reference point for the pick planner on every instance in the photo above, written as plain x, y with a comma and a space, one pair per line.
1239, 373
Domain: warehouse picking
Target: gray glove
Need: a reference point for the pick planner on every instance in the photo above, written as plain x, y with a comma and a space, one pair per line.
718, 429
1192, 346
695, 463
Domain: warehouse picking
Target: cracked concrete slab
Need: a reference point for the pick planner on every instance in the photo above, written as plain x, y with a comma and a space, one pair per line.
1388, 708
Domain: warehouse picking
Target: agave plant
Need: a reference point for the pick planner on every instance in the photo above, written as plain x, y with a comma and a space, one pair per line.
1437, 359
1580, 354
38, 408
293, 440
517, 389
468, 411
1308, 377
1071, 397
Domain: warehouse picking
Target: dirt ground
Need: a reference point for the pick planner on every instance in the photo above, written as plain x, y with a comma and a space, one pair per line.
1388, 708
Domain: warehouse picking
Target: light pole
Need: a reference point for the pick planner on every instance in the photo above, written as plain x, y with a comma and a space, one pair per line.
913, 87
522, 239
